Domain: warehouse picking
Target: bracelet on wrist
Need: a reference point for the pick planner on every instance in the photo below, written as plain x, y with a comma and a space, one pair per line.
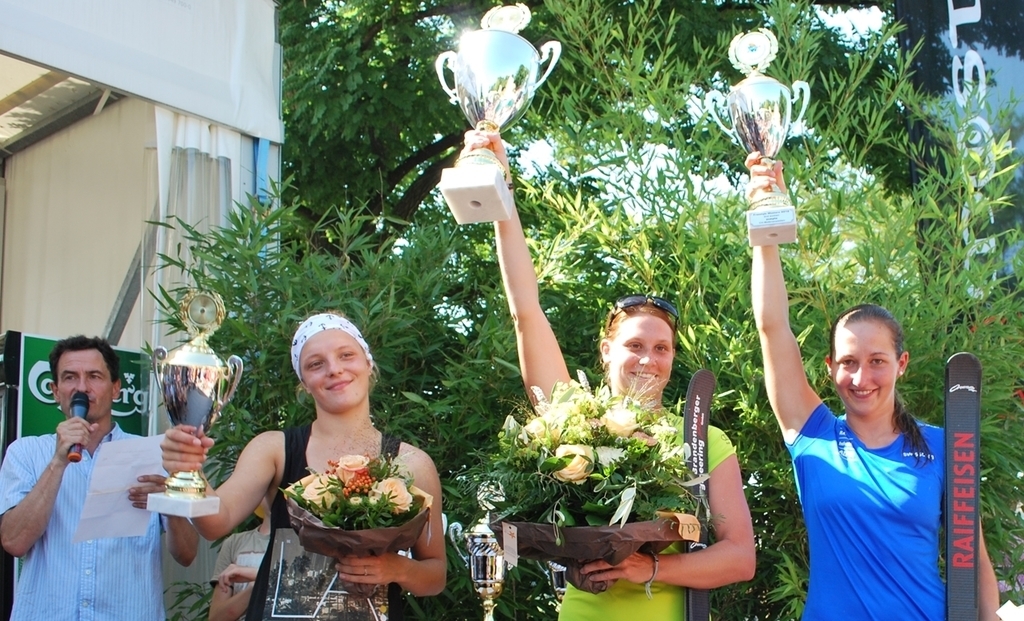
654, 574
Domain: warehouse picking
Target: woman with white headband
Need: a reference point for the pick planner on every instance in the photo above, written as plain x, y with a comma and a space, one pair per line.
334, 364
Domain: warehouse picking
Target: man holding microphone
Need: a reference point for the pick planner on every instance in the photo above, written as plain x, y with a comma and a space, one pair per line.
43, 489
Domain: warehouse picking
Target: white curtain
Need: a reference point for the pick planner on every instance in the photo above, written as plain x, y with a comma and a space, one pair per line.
198, 182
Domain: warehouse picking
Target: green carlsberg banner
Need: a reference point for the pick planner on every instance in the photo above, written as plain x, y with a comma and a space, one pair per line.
38, 411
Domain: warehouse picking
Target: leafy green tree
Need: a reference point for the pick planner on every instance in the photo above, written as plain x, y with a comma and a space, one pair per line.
367, 121
368, 124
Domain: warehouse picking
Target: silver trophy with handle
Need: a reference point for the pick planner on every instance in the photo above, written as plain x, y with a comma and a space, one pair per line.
195, 385
760, 109
485, 560
496, 75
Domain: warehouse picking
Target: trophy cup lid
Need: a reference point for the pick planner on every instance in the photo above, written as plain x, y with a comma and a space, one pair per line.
752, 52
488, 494
201, 312
510, 18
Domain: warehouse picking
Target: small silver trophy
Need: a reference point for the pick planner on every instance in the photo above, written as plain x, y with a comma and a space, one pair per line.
556, 573
195, 385
495, 79
485, 560
761, 108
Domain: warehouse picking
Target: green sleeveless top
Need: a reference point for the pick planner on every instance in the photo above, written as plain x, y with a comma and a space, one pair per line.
627, 601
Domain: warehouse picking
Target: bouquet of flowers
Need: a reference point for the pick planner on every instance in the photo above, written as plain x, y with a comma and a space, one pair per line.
358, 507
589, 459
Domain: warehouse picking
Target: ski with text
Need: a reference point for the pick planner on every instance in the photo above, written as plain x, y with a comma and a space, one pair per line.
695, 433
963, 415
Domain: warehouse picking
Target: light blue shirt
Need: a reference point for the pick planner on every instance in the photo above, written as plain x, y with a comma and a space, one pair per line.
96, 580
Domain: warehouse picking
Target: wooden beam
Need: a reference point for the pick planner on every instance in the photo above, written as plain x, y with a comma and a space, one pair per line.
36, 87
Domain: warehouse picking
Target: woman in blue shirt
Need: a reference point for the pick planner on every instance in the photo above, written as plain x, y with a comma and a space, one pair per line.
870, 480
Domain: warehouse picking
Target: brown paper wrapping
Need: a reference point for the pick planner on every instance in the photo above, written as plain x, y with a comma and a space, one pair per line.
583, 544
336, 542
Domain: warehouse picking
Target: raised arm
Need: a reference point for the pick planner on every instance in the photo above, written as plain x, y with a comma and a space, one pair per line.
789, 392
540, 357
257, 475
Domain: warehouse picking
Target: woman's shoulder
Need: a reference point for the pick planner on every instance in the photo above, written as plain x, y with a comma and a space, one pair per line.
410, 451
932, 433
416, 458
266, 442
271, 435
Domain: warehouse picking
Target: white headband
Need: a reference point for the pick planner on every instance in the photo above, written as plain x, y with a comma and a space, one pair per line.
317, 324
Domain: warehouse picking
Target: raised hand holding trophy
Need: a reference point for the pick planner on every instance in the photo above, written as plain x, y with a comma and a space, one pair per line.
495, 79
195, 385
760, 108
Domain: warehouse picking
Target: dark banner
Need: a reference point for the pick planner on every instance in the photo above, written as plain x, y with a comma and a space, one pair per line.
972, 56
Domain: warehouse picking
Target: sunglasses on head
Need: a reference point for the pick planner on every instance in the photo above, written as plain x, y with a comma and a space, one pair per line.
632, 301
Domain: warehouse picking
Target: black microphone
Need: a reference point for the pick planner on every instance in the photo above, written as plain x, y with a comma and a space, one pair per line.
79, 408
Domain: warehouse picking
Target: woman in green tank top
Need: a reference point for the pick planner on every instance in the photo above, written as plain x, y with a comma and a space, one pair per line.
637, 352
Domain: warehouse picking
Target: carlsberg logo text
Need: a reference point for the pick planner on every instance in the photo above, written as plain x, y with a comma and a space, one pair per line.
130, 401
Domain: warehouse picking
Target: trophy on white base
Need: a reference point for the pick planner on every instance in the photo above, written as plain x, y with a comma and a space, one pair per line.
760, 108
195, 385
495, 79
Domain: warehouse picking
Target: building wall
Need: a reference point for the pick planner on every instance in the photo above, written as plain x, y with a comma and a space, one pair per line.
76, 204
76, 207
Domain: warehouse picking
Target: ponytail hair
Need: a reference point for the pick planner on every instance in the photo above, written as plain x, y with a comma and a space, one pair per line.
908, 426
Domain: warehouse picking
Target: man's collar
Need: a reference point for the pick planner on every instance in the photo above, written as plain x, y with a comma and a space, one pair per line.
116, 433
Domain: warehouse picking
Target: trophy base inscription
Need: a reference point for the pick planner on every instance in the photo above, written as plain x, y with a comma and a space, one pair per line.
773, 226
476, 193
182, 507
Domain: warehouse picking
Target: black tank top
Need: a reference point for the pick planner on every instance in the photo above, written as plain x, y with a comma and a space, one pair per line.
261, 606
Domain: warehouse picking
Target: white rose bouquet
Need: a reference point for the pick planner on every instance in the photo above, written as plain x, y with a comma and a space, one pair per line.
589, 459
359, 507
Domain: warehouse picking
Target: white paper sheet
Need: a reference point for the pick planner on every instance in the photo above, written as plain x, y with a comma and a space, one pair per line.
107, 511
1010, 612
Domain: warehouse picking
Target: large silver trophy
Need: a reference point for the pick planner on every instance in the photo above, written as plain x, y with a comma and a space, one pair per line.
195, 385
495, 79
760, 108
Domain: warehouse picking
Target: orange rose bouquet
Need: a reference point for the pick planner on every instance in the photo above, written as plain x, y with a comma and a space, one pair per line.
358, 507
